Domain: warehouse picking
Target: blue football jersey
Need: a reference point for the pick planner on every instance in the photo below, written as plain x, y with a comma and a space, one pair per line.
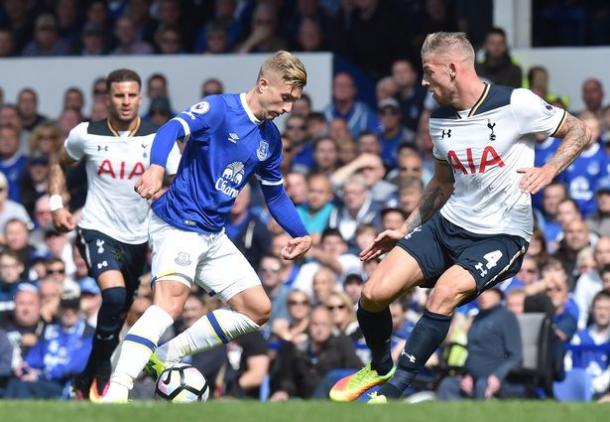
225, 145
582, 175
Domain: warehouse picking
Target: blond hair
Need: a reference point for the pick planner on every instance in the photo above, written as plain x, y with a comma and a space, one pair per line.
37, 135
288, 66
448, 43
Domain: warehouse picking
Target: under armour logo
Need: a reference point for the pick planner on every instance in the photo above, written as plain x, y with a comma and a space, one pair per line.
446, 133
100, 245
408, 356
105, 148
102, 265
492, 135
105, 338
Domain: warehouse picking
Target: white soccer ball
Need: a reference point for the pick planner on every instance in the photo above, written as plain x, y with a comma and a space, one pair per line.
182, 383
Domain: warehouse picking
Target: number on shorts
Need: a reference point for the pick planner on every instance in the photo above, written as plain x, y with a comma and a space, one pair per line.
492, 259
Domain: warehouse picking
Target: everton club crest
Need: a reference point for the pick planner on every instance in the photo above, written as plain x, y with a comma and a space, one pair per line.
263, 150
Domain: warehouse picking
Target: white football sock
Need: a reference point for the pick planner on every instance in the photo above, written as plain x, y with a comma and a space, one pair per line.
219, 326
137, 347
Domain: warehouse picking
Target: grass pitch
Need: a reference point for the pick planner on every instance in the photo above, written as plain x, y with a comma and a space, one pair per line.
301, 411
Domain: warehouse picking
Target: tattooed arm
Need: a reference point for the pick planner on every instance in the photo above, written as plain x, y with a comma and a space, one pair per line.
436, 193
576, 137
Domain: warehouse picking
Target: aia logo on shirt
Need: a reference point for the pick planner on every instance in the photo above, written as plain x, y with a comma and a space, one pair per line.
488, 158
120, 170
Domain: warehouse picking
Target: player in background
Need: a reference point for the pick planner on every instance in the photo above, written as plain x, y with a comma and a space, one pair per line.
112, 234
228, 138
483, 138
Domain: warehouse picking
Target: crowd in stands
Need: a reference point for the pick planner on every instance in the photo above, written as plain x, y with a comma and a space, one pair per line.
352, 168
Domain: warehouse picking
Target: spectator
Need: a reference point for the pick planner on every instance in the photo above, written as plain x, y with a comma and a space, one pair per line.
90, 299
331, 253
310, 37
11, 269
552, 195
498, 66
12, 162
68, 22
392, 133
125, 32
372, 170
263, 31
599, 222
515, 301
300, 370
156, 86
582, 175
353, 287
302, 107
593, 96
9, 116
296, 187
10, 209
248, 365
43, 219
293, 329
410, 192
18, 14
211, 86
7, 43
392, 218
358, 207
99, 92
323, 285
342, 310
168, 41
6, 360
93, 40
368, 143
27, 106
159, 111
170, 14
16, 239
46, 40
318, 208
68, 119
411, 95
494, 349
315, 123
386, 88
325, 155
74, 99
216, 39
289, 270
576, 238
590, 283
34, 181
246, 229
538, 82
270, 273
25, 326
60, 353
358, 116
50, 296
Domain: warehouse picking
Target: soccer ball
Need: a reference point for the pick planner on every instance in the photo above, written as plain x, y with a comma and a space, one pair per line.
182, 383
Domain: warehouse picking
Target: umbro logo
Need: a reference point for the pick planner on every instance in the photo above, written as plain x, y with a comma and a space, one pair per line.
105, 148
233, 137
446, 133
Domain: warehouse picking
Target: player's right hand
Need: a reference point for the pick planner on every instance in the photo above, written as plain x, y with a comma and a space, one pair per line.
382, 244
151, 181
62, 220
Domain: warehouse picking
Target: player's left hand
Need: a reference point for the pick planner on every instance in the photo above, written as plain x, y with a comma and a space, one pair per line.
493, 386
296, 247
535, 178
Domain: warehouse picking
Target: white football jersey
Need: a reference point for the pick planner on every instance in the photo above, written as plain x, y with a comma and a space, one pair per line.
485, 146
114, 163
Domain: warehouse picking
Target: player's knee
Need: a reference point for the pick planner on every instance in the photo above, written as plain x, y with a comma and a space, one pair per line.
114, 299
262, 313
443, 299
373, 299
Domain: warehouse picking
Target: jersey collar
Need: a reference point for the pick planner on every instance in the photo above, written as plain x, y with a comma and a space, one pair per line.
461, 114
244, 104
130, 134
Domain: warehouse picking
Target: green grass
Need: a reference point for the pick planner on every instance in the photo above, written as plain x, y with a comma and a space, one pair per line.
238, 411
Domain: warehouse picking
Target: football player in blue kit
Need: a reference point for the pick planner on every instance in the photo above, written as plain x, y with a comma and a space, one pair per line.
228, 138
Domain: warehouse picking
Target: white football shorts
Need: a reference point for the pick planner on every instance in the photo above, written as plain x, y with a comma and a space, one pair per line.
211, 261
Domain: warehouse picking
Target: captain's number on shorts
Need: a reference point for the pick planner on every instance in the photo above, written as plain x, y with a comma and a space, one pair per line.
492, 259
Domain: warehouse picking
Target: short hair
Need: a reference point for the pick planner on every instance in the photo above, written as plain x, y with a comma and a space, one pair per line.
445, 42
122, 75
603, 270
497, 31
28, 90
158, 76
306, 98
329, 232
315, 116
409, 182
323, 138
12, 254
291, 69
602, 294
533, 70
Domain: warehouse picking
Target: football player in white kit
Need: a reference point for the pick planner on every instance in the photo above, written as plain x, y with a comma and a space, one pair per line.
473, 224
113, 231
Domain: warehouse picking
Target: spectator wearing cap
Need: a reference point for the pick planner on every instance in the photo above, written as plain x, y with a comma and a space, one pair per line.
599, 222
392, 133
12, 161
24, 325
160, 111
316, 212
34, 181
93, 40
359, 116
497, 66
60, 353
46, 40
10, 209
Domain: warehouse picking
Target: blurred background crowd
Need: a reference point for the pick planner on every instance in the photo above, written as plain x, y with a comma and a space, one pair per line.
353, 167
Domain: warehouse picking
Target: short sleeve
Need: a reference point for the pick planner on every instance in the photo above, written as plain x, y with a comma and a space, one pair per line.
534, 115
201, 117
75, 142
268, 172
173, 160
